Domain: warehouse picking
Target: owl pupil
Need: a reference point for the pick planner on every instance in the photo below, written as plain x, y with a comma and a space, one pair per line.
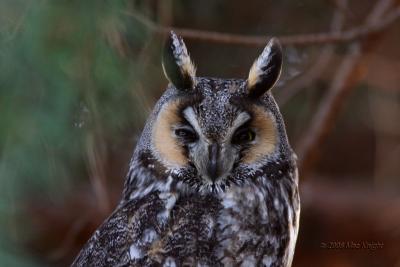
186, 135
243, 136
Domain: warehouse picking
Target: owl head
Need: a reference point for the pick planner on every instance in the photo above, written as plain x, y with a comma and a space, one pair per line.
211, 133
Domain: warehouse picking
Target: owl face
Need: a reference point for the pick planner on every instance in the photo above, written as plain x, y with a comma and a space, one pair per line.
211, 133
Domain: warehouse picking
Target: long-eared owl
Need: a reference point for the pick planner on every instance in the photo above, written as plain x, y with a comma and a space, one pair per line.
213, 180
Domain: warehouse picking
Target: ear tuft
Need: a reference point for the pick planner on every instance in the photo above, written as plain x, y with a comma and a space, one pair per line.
177, 65
266, 69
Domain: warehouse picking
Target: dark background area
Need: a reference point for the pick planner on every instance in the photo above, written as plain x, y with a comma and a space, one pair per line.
79, 78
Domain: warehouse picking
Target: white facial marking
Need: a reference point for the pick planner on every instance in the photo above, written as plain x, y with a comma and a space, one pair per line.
240, 120
190, 116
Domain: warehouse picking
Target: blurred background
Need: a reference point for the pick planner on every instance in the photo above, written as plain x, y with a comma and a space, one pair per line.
79, 78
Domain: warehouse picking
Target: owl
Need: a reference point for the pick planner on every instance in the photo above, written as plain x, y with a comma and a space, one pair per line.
213, 180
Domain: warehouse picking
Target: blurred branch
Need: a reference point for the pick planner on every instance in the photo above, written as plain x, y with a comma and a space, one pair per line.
70, 237
346, 77
19, 22
349, 73
302, 39
295, 85
95, 161
95, 149
341, 5
164, 12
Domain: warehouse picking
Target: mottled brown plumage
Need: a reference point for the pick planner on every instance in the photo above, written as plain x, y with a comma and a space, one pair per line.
213, 180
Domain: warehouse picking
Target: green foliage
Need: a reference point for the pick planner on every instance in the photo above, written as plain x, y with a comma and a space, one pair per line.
60, 80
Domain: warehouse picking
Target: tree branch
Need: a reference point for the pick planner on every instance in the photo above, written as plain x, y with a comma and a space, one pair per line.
319, 65
302, 39
349, 73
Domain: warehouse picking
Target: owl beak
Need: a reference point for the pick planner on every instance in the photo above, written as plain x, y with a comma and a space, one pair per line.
212, 168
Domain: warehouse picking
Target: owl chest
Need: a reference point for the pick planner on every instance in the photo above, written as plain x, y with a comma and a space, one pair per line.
254, 227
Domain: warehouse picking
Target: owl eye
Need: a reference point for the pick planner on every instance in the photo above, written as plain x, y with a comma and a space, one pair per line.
186, 135
243, 136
